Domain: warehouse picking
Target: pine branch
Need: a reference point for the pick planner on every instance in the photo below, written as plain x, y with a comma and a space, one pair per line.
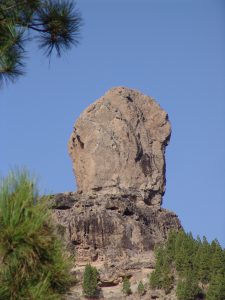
56, 23
13, 6
36, 29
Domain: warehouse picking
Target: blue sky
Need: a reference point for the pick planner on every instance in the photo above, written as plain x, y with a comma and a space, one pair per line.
172, 50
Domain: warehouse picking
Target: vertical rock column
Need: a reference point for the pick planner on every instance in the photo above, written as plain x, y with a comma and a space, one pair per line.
118, 145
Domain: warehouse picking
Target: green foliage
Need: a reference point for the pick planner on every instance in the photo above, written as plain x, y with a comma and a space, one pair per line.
203, 258
90, 281
167, 281
33, 265
187, 288
195, 263
155, 280
217, 265
216, 290
162, 277
185, 248
171, 251
126, 286
55, 22
141, 288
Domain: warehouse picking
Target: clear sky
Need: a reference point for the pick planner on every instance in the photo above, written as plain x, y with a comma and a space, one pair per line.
172, 50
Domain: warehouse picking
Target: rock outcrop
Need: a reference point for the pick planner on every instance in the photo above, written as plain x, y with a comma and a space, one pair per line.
115, 218
118, 145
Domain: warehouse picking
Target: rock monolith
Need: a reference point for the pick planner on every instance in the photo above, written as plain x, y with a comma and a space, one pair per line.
118, 145
115, 218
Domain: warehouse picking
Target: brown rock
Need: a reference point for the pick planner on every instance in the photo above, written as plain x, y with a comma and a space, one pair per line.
118, 145
115, 218
111, 229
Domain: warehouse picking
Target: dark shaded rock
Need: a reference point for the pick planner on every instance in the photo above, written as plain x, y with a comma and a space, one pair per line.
109, 229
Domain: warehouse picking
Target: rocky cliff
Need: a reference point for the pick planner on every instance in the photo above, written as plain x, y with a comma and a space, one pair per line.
115, 218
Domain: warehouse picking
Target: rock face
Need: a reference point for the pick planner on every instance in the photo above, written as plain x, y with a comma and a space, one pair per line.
111, 228
118, 146
115, 218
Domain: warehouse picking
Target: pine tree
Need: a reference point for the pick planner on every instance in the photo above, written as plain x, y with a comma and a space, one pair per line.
204, 263
216, 290
217, 263
155, 280
90, 281
170, 245
56, 23
185, 249
126, 286
167, 282
179, 251
162, 276
160, 256
33, 264
196, 263
187, 288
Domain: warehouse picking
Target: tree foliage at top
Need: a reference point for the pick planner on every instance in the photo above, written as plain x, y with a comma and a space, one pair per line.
194, 266
56, 23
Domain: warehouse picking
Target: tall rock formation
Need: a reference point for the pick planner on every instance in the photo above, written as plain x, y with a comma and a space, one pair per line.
115, 218
118, 146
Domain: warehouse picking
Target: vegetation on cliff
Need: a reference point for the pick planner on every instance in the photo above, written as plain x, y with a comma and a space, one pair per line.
32, 262
90, 282
196, 267
126, 288
141, 288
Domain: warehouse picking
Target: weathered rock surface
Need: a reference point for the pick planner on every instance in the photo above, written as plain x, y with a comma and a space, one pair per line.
115, 218
118, 146
111, 228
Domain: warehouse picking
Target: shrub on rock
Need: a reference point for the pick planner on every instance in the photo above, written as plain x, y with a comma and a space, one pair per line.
90, 282
126, 286
141, 288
